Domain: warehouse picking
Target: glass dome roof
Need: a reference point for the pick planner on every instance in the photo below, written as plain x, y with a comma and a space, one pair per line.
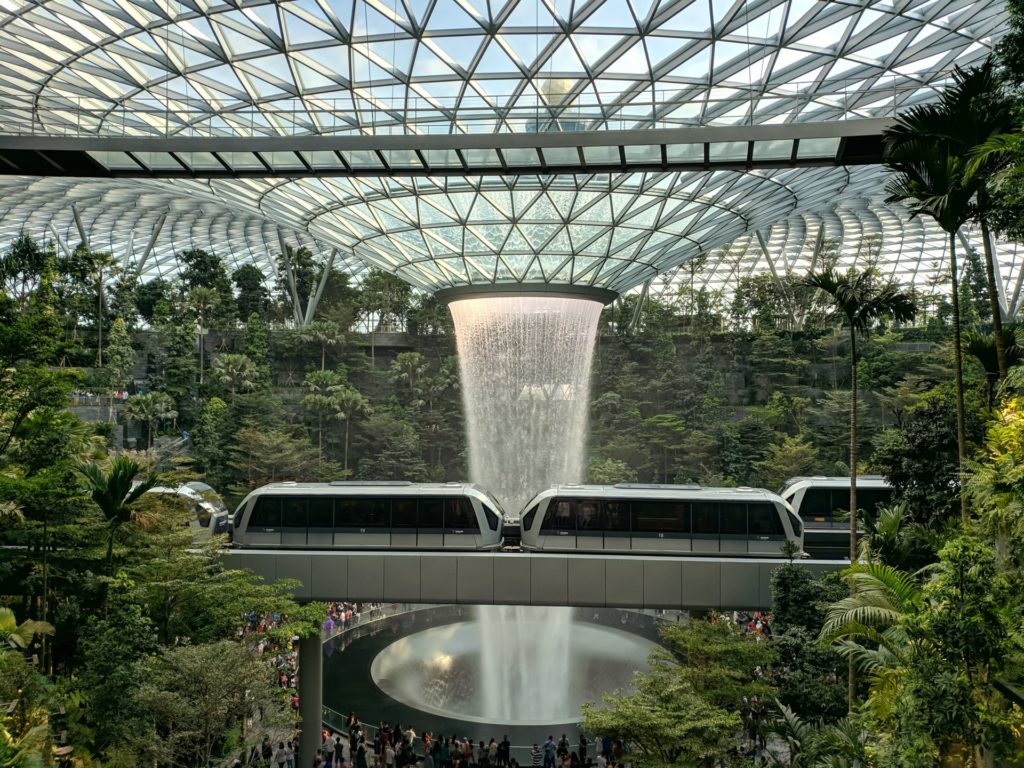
383, 67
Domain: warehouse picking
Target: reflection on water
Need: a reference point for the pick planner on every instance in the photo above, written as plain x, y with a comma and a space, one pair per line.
468, 672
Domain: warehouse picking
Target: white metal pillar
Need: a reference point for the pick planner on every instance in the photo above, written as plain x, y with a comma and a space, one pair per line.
296, 309
314, 301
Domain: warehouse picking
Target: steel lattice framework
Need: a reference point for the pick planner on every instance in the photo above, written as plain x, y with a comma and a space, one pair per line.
277, 68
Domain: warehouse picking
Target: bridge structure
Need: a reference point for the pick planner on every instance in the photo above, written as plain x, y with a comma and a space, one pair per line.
507, 578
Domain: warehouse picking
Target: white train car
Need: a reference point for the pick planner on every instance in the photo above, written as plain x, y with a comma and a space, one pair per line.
824, 502
660, 519
368, 515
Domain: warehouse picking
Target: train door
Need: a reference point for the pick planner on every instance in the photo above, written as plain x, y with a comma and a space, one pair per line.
430, 523
293, 521
704, 534
461, 527
660, 525
362, 522
767, 533
264, 527
733, 533
403, 522
558, 529
589, 525
320, 531
616, 526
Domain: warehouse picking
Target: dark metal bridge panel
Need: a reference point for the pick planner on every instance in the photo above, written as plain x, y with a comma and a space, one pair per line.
514, 578
745, 147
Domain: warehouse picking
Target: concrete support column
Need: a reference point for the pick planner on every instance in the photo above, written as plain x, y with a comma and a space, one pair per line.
311, 698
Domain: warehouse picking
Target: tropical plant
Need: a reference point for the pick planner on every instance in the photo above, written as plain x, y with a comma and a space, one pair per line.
236, 372
325, 334
349, 404
929, 149
815, 745
203, 300
151, 409
859, 303
320, 401
115, 492
984, 348
21, 635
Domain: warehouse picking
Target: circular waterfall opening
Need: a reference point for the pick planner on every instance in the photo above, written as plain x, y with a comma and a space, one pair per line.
519, 666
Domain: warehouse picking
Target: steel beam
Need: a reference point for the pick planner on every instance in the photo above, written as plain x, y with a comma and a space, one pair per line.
315, 301
81, 228
151, 244
296, 309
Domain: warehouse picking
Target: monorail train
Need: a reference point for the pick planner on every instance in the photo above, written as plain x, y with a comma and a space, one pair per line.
207, 514
361, 515
659, 519
823, 503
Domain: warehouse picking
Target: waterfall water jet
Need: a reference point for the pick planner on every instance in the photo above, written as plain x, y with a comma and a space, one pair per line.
525, 365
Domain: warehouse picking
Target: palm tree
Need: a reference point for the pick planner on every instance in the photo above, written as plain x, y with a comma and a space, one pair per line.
326, 334
971, 114
407, 368
203, 301
348, 404
859, 303
931, 178
115, 492
150, 409
236, 372
319, 399
20, 636
985, 347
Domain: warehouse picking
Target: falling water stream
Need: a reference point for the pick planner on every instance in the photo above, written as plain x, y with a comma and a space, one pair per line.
525, 364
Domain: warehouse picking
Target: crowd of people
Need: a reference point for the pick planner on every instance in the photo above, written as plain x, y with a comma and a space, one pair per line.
399, 746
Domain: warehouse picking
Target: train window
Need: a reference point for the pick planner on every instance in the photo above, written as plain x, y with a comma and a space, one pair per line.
705, 517
203, 515
764, 519
588, 515
492, 517
527, 521
616, 515
734, 519
661, 516
431, 513
459, 515
267, 513
236, 521
816, 503
363, 513
321, 512
293, 512
559, 516
870, 499
797, 523
403, 513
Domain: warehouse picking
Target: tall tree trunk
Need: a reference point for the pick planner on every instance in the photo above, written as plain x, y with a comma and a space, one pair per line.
323, 356
961, 433
202, 347
851, 673
99, 321
993, 299
348, 424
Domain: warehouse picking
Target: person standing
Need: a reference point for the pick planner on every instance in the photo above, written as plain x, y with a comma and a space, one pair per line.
549, 752
583, 748
536, 757
504, 751
389, 756
281, 756
328, 747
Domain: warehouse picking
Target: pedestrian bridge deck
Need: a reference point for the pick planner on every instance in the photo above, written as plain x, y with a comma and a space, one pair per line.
523, 578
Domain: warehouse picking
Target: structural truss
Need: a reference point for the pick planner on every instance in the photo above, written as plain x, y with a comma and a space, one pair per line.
374, 70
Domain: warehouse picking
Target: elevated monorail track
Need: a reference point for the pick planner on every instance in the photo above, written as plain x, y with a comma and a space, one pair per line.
523, 578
